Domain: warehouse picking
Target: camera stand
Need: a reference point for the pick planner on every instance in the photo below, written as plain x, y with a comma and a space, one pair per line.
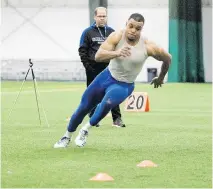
37, 95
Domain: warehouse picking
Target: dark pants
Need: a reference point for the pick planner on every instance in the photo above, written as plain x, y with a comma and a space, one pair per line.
91, 74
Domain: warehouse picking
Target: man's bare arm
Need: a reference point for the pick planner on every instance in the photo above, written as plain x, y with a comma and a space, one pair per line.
161, 55
107, 49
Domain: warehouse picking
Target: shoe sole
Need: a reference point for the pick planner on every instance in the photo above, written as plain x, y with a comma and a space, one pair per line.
60, 146
57, 146
80, 146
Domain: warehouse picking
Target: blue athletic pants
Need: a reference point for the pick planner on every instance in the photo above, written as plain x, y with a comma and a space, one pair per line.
104, 91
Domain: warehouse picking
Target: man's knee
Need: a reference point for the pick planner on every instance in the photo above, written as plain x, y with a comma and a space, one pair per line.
109, 104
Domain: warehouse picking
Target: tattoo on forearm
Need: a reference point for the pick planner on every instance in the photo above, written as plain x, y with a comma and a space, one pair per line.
164, 70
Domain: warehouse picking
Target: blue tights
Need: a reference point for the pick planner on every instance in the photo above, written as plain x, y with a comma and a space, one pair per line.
104, 91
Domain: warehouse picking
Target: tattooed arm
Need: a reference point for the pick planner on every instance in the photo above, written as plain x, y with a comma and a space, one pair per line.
161, 55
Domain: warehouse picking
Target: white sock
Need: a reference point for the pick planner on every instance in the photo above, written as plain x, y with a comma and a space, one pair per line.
87, 126
68, 134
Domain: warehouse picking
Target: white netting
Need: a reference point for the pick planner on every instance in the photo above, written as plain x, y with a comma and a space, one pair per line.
45, 3
48, 70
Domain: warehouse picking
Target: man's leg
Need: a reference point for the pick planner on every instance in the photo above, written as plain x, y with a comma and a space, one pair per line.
115, 94
91, 75
91, 97
116, 113
116, 116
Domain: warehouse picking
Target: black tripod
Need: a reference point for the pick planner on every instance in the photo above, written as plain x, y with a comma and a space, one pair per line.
36, 94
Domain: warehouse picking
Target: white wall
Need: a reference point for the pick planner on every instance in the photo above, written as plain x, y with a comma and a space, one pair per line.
51, 30
53, 33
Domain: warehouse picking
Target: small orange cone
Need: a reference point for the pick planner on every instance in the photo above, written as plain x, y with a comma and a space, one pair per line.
147, 163
102, 177
147, 105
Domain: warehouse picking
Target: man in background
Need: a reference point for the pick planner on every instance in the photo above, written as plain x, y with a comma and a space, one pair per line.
91, 40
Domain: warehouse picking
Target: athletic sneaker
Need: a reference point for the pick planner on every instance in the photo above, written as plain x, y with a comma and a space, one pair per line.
118, 123
62, 143
81, 139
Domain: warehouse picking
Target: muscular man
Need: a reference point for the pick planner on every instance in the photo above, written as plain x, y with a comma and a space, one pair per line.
127, 51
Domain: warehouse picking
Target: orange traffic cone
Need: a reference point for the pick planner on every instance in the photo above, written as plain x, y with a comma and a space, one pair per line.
102, 177
147, 105
147, 163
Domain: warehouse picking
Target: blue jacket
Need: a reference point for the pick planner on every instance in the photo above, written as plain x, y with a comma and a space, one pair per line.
90, 41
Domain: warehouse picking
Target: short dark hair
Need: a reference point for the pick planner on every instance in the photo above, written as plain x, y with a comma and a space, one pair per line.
137, 17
